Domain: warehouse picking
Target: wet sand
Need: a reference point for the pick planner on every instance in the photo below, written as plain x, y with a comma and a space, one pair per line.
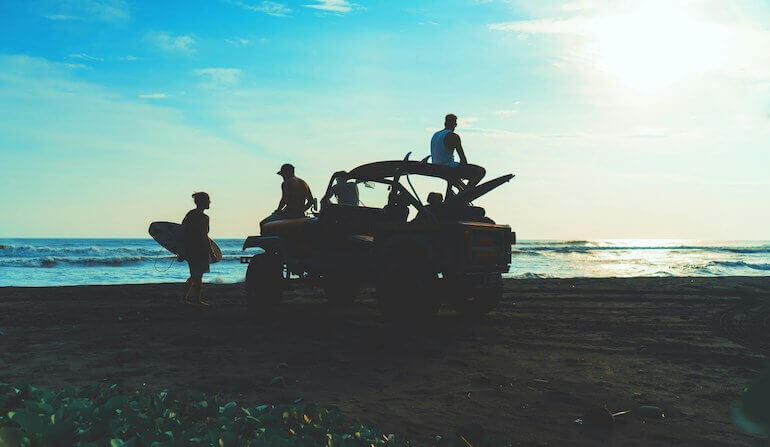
554, 349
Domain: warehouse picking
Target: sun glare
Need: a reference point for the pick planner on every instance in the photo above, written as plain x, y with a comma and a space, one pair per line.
658, 45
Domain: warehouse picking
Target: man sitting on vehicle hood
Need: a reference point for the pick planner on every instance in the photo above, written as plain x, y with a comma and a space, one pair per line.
444, 144
296, 197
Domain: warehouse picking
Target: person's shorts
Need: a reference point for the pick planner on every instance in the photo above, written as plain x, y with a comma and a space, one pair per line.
198, 266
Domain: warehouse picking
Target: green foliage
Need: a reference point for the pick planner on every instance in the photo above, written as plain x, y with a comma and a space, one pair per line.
109, 416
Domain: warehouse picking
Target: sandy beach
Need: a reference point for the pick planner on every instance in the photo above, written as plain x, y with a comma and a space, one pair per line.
553, 349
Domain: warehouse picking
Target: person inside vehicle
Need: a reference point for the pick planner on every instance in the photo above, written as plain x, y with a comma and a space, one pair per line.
346, 193
445, 143
397, 208
434, 207
196, 248
296, 197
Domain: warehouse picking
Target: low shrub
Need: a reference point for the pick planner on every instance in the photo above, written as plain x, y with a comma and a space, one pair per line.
106, 415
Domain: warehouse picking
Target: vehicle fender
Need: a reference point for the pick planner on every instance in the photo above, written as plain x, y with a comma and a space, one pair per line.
271, 244
415, 243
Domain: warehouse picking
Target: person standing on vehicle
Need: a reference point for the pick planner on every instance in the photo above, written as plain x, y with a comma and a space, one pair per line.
296, 197
444, 144
196, 248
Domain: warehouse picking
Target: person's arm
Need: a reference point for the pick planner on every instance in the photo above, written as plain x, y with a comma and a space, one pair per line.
282, 202
308, 198
453, 141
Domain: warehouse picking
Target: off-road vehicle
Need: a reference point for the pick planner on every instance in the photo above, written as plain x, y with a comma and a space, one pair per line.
417, 255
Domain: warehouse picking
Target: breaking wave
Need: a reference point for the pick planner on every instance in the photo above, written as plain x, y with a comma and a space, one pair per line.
114, 261
750, 265
531, 275
580, 247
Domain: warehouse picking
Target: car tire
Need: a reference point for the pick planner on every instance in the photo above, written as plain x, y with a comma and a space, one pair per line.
471, 301
264, 283
407, 286
339, 288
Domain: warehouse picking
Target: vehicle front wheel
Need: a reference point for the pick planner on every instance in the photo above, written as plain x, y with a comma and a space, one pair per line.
474, 297
264, 282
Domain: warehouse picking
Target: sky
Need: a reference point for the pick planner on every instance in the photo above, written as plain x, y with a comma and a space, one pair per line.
619, 119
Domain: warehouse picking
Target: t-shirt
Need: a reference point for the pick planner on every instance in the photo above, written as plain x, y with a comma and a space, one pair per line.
195, 234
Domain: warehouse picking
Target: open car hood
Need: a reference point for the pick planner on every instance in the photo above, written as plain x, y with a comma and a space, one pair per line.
474, 192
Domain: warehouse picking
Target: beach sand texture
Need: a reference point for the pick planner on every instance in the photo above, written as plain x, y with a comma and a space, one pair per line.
554, 349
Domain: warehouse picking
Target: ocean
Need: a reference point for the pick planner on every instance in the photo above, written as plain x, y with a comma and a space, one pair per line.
55, 262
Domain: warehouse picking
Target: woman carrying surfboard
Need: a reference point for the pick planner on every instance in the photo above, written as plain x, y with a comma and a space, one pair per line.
196, 249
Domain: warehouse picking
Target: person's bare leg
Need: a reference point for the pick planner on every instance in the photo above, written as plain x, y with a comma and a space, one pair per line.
186, 294
199, 292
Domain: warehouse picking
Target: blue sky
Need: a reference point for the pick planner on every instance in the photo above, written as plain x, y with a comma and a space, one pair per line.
619, 119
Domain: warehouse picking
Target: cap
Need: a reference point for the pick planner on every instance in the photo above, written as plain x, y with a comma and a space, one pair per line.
286, 168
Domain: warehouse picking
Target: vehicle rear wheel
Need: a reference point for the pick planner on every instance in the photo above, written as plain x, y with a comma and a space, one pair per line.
340, 288
470, 299
264, 282
407, 288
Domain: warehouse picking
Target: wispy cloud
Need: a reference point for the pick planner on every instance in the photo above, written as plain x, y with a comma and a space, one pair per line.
85, 57
238, 41
573, 25
128, 58
74, 66
59, 17
339, 6
267, 7
94, 10
219, 77
153, 96
174, 43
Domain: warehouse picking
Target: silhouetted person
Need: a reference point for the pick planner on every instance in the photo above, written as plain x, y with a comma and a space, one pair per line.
296, 197
444, 144
346, 193
397, 208
196, 248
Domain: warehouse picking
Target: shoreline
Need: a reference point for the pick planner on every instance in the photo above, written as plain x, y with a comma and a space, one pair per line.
505, 279
554, 349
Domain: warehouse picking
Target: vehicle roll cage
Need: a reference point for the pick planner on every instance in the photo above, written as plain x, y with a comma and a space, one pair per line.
340, 177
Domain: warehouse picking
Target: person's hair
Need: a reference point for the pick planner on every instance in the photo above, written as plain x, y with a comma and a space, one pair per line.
451, 118
200, 197
435, 198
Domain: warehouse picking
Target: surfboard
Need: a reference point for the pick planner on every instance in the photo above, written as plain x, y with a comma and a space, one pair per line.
169, 236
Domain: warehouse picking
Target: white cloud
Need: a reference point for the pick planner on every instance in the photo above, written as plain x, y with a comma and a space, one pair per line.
266, 7
72, 66
238, 41
219, 77
153, 96
651, 47
85, 57
578, 5
340, 6
128, 58
89, 10
506, 112
174, 43
466, 122
110, 133
59, 17
573, 25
